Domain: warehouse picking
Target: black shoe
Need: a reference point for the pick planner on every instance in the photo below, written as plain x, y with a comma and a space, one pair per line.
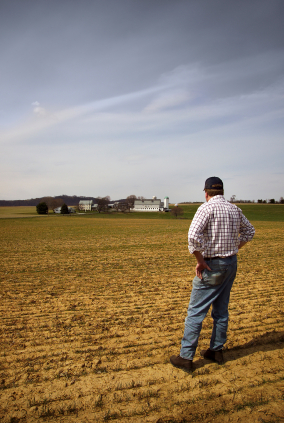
216, 356
182, 363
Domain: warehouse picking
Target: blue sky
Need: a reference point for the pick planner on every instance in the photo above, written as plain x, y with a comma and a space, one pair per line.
141, 97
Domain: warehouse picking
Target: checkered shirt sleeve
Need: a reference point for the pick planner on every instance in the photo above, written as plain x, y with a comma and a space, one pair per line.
217, 229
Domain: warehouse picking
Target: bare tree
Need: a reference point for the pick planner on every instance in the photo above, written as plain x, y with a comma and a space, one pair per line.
233, 199
53, 203
116, 206
47, 201
103, 204
130, 201
177, 211
56, 202
121, 206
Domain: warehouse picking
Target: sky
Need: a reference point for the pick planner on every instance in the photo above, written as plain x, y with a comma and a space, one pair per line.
141, 97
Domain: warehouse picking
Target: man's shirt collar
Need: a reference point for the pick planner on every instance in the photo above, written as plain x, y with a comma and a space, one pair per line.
217, 198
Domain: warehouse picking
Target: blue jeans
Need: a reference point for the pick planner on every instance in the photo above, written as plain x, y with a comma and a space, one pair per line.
214, 288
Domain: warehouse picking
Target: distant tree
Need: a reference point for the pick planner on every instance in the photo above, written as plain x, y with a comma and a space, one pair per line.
103, 204
42, 208
64, 209
259, 201
141, 197
53, 203
281, 200
48, 201
116, 206
233, 199
177, 211
124, 206
272, 201
130, 201
121, 206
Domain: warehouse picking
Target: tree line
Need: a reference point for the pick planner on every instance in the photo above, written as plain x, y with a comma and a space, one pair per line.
259, 201
67, 199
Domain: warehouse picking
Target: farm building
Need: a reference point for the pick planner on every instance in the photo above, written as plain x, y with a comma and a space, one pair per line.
85, 205
151, 205
58, 210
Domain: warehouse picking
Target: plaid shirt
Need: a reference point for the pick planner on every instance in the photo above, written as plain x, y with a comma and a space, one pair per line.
217, 229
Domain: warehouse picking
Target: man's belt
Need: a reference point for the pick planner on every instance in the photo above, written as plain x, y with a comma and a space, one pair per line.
211, 258
218, 257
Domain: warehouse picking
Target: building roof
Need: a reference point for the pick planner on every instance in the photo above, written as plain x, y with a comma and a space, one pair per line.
86, 202
150, 202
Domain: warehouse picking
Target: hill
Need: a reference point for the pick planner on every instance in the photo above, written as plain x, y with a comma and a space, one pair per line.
70, 200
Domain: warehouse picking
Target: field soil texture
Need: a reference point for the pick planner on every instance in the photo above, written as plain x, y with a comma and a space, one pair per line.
92, 309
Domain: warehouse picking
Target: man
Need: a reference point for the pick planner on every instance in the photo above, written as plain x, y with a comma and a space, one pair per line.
218, 230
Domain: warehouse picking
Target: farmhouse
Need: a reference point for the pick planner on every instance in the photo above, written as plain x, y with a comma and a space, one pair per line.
58, 210
85, 205
151, 205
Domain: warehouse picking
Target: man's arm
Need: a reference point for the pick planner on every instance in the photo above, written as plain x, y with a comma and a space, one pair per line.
196, 240
247, 231
201, 264
196, 230
242, 243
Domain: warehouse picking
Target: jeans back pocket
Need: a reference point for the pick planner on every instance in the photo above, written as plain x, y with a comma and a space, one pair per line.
214, 277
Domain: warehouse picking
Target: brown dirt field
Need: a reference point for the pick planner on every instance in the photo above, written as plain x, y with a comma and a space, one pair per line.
91, 311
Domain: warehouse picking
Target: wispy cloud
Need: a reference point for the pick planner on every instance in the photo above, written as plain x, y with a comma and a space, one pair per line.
48, 119
38, 110
167, 100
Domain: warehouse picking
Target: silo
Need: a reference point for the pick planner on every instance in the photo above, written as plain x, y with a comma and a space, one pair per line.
166, 202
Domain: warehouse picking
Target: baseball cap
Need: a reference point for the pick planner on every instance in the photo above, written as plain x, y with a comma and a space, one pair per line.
213, 183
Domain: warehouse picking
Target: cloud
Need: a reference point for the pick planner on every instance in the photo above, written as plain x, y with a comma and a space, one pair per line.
189, 92
167, 100
38, 110
31, 127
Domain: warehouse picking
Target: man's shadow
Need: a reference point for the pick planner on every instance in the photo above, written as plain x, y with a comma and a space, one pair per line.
269, 341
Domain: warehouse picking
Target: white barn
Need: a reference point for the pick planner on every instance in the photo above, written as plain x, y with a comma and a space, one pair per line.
85, 205
151, 205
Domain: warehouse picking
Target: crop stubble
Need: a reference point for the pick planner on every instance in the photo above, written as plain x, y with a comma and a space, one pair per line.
92, 309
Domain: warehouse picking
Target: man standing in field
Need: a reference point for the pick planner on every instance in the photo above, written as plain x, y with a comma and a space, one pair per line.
218, 230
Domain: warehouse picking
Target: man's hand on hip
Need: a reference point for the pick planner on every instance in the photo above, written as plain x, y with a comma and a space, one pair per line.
201, 264
200, 267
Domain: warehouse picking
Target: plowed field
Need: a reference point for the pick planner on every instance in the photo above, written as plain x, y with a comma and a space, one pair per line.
92, 309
